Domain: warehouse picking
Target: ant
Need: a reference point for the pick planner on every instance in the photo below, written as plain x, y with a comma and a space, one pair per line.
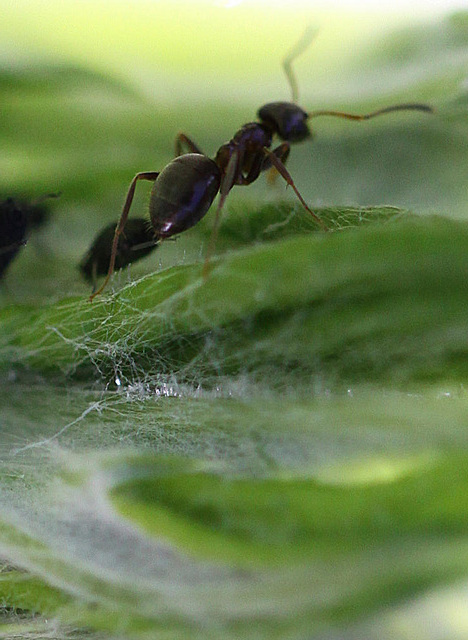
17, 217
13, 226
184, 190
136, 243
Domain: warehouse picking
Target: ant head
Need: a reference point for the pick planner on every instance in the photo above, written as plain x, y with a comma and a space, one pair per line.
285, 119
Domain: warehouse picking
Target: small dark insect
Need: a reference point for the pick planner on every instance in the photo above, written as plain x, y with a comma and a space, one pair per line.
17, 217
13, 227
136, 243
37, 211
184, 190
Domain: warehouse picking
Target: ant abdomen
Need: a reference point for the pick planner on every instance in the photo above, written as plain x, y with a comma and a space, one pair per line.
286, 119
182, 193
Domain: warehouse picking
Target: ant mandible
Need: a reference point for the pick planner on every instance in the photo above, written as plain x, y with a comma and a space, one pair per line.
184, 190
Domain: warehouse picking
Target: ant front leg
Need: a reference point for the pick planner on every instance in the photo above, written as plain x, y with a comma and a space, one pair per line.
181, 140
284, 173
282, 153
144, 175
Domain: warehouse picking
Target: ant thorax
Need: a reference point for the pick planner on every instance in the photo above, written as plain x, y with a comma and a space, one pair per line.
253, 136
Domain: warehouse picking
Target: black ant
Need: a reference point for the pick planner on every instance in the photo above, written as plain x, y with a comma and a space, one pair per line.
184, 190
13, 226
17, 218
136, 243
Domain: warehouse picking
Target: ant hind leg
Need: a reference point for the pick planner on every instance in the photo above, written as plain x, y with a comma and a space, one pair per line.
144, 175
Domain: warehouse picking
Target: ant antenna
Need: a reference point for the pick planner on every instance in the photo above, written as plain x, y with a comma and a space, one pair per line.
414, 106
301, 45
45, 196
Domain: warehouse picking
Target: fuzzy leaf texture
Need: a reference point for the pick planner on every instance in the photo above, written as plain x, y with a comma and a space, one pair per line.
279, 451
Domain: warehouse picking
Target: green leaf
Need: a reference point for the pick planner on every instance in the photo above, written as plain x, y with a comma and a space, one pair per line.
385, 300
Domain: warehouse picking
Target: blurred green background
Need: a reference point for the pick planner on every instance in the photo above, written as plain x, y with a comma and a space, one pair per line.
277, 452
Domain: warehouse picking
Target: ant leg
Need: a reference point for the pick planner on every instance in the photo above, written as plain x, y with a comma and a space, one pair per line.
146, 245
145, 175
94, 276
181, 140
46, 196
279, 166
282, 153
227, 182
252, 174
